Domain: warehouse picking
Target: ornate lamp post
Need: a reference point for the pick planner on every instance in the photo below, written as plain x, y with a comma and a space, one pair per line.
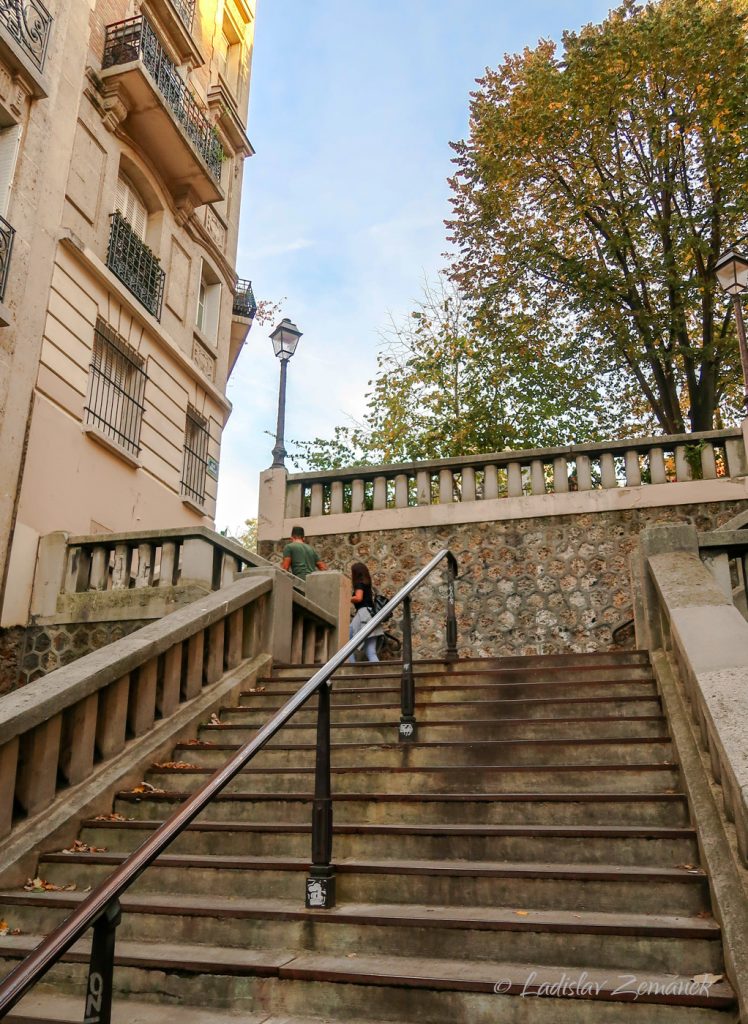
732, 274
285, 338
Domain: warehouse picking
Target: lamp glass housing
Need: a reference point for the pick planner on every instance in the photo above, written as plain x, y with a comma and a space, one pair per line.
732, 272
285, 338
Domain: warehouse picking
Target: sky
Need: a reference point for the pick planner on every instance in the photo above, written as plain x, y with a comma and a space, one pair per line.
353, 106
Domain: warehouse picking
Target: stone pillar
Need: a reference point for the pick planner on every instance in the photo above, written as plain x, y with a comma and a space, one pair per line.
277, 620
51, 561
358, 496
332, 591
197, 562
584, 473
490, 483
336, 497
655, 540
272, 505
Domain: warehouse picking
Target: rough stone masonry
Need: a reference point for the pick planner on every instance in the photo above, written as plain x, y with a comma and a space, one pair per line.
526, 586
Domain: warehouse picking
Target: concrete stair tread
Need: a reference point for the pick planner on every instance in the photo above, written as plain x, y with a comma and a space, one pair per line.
509, 797
554, 831
56, 1008
596, 741
447, 722
277, 691
418, 972
368, 769
403, 915
399, 866
500, 701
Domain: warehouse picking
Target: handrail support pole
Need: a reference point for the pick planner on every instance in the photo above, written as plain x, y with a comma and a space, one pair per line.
101, 968
451, 616
408, 729
320, 883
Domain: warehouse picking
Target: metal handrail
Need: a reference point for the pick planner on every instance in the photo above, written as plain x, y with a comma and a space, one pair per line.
101, 908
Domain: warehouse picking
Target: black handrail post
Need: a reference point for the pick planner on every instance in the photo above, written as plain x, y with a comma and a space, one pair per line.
451, 616
101, 969
408, 727
320, 884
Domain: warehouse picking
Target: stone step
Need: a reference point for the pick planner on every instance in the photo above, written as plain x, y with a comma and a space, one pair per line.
397, 756
324, 989
558, 777
468, 674
45, 1006
631, 807
604, 888
621, 844
467, 710
263, 929
383, 691
644, 726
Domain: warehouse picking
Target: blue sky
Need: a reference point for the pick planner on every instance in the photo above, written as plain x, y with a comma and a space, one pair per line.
353, 105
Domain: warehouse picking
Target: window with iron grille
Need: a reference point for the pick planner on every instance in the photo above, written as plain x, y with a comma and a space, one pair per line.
194, 472
116, 387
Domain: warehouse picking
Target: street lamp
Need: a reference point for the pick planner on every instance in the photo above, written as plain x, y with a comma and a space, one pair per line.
285, 338
732, 274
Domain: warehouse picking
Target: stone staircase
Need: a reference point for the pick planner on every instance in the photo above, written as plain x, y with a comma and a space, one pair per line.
535, 840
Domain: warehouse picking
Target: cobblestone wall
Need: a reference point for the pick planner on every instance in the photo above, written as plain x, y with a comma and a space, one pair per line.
530, 586
27, 654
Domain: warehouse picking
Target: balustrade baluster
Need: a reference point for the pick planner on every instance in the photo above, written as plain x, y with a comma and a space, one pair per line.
141, 708
380, 492
708, 462
77, 571
99, 568
38, 763
608, 470
423, 487
121, 570
584, 473
318, 494
657, 471
737, 464
682, 465
336, 498
297, 639
514, 480
294, 501
446, 487
8, 768
490, 483
171, 682
214, 661
235, 639
144, 575
310, 640
358, 496
401, 491
193, 680
537, 476
468, 484
168, 564
560, 475
78, 740
111, 721
229, 568
633, 469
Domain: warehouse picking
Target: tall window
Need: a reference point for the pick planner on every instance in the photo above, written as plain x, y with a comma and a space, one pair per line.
10, 139
230, 56
194, 471
116, 387
208, 302
131, 206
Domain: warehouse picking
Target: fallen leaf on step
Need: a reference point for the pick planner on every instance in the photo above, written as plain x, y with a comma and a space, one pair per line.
688, 867
4, 927
111, 817
255, 689
173, 764
705, 915
199, 743
522, 913
39, 885
146, 787
214, 719
79, 847
707, 979
351, 956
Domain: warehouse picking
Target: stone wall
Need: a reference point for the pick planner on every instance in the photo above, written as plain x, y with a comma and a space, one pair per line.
527, 586
27, 654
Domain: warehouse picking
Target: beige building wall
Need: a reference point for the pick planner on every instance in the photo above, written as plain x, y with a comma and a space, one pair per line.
90, 465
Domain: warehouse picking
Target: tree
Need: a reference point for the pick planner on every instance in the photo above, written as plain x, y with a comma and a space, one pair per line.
441, 390
245, 534
596, 191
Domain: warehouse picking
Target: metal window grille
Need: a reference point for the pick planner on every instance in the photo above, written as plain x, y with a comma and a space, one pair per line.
116, 388
134, 264
244, 300
29, 22
136, 39
7, 234
194, 472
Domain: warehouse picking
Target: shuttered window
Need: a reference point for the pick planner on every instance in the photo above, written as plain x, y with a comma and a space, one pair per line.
131, 206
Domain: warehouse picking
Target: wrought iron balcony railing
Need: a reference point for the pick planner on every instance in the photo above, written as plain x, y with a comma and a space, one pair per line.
29, 22
7, 233
130, 259
186, 11
136, 39
244, 300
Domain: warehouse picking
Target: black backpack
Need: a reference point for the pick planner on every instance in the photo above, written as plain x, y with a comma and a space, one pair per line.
380, 602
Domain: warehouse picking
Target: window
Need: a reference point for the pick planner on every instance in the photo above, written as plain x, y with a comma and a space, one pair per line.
131, 206
10, 139
116, 387
208, 302
230, 56
196, 438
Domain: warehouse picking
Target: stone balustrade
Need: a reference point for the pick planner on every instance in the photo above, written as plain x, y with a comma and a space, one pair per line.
725, 553
577, 478
54, 731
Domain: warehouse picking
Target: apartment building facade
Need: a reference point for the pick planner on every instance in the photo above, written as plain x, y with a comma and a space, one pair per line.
122, 145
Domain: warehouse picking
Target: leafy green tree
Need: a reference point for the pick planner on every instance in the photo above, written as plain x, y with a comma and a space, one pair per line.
594, 194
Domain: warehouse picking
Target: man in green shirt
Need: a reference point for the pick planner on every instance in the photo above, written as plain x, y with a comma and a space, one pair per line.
300, 557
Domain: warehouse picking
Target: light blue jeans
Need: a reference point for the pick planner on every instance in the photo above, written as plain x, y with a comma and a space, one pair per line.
370, 648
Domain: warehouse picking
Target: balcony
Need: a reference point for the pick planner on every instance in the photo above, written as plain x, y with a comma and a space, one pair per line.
130, 259
160, 113
186, 11
25, 27
244, 300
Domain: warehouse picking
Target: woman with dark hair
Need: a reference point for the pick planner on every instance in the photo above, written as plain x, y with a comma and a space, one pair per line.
362, 599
